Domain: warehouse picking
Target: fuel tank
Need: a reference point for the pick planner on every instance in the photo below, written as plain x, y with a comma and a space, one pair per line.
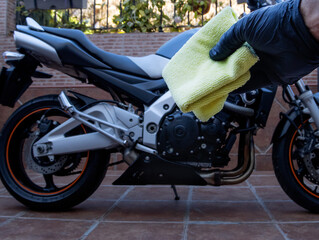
171, 47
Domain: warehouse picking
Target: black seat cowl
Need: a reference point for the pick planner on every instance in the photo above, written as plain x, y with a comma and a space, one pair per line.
69, 52
122, 63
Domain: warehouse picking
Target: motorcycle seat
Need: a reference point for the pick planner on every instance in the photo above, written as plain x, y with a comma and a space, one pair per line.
150, 66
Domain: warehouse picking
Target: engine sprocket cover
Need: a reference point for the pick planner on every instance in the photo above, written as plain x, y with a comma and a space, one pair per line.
185, 139
178, 135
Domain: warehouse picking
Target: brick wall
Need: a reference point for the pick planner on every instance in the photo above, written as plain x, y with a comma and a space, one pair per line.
3, 16
10, 23
7, 16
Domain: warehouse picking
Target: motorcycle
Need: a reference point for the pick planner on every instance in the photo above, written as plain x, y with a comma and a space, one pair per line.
55, 149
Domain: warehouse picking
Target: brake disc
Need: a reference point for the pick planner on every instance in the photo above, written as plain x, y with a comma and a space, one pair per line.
71, 163
43, 165
313, 173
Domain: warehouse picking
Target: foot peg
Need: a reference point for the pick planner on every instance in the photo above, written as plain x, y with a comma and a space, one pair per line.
65, 103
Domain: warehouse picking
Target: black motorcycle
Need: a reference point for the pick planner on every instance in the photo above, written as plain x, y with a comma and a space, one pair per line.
55, 149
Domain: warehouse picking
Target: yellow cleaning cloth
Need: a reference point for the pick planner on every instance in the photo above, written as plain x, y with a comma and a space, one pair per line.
200, 84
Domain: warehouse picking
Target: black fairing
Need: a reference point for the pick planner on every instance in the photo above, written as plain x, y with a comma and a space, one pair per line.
142, 83
157, 170
119, 62
16, 80
138, 95
140, 89
266, 99
69, 52
170, 48
74, 48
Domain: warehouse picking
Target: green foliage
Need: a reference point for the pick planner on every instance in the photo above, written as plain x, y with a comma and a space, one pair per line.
41, 16
135, 16
64, 20
51, 18
198, 7
141, 15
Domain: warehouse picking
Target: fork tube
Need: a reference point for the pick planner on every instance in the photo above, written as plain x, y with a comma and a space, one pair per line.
290, 93
306, 97
301, 86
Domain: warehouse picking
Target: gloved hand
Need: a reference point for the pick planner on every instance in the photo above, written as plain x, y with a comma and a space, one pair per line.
286, 49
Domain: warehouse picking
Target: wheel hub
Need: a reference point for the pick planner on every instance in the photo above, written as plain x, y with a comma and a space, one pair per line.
312, 170
308, 154
43, 165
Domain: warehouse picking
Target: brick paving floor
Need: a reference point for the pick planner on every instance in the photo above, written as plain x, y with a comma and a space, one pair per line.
256, 209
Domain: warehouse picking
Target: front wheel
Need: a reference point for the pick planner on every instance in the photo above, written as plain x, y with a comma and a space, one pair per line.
296, 163
46, 183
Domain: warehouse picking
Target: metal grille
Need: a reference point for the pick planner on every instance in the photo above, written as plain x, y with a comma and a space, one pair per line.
99, 15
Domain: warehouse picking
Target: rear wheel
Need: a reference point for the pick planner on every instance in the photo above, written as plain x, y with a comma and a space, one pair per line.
296, 164
46, 183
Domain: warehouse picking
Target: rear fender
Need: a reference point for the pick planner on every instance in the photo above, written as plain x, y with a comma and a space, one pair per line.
16, 80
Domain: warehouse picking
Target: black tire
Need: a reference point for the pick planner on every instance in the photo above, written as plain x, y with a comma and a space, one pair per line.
290, 169
79, 177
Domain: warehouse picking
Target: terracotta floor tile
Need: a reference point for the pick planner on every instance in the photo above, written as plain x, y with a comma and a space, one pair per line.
120, 167
231, 212
301, 231
88, 210
233, 231
148, 211
223, 194
157, 193
4, 193
137, 231
2, 220
228, 212
108, 192
111, 176
271, 193
263, 180
39, 229
108, 180
290, 212
9, 206
242, 184
264, 173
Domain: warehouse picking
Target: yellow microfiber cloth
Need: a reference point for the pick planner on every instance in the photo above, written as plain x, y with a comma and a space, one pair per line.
200, 84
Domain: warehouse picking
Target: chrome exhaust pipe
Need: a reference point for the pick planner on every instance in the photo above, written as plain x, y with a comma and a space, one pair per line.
220, 177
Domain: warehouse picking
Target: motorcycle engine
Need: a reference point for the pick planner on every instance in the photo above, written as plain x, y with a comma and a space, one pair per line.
183, 138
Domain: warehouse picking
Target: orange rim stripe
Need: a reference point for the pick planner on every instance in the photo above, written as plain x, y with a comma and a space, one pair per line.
8, 163
291, 165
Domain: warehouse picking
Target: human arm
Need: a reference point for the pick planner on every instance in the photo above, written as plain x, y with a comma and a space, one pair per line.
282, 37
310, 12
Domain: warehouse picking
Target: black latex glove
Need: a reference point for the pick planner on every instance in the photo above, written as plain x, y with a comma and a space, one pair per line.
286, 49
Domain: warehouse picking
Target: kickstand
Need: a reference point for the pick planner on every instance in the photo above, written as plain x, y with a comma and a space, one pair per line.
175, 192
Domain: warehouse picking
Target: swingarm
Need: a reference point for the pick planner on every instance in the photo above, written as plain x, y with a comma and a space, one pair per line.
110, 124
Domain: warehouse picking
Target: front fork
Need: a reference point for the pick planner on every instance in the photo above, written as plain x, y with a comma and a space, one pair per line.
307, 99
